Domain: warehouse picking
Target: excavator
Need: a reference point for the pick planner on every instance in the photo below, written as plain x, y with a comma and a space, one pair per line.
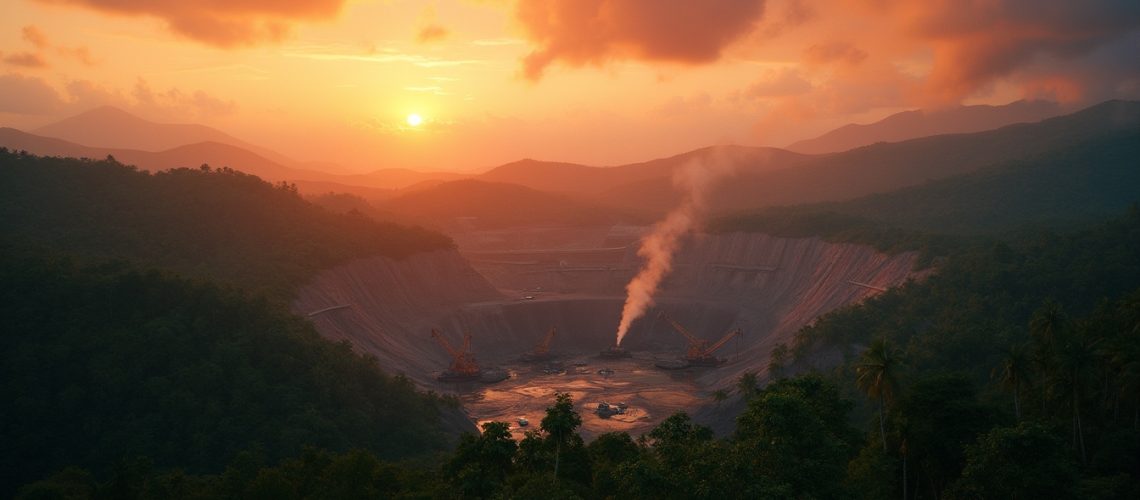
463, 365
700, 351
541, 351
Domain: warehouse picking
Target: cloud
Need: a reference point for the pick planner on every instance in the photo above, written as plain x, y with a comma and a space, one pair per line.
34, 36
779, 83
831, 52
976, 43
431, 33
582, 32
221, 23
30, 60
175, 102
429, 28
27, 96
81, 54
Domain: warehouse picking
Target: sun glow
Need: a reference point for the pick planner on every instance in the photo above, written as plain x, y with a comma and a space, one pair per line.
414, 120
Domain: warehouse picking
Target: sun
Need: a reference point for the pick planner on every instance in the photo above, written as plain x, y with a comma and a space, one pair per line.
414, 120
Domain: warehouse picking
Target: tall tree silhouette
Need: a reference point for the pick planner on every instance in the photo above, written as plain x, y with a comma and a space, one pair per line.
876, 376
559, 423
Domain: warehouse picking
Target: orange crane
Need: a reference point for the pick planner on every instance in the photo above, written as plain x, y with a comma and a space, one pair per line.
541, 351
463, 365
700, 351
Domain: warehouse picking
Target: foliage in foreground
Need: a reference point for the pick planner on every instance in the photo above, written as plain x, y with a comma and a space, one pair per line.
102, 364
210, 223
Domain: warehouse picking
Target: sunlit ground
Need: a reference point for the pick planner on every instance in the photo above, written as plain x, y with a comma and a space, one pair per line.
651, 394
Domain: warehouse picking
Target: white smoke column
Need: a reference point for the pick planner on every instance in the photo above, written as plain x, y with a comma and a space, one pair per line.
695, 179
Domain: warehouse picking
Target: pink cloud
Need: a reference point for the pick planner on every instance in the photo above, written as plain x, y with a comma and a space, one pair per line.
221, 23
582, 32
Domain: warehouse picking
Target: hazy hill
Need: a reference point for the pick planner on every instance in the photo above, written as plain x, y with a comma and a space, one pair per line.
585, 180
886, 167
395, 178
919, 123
495, 205
225, 154
1067, 188
111, 127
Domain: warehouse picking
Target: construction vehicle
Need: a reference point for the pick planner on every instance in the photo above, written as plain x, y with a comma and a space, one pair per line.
700, 351
615, 352
606, 410
541, 351
463, 365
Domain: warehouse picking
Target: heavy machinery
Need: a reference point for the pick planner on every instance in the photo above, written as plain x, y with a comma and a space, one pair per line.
463, 365
700, 351
541, 351
615, 352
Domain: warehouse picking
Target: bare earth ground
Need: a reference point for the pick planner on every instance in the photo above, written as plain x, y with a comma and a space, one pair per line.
650, 393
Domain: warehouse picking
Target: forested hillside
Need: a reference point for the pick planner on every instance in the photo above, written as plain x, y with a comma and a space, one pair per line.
215, 223
107, 363
1064, 189
146, 318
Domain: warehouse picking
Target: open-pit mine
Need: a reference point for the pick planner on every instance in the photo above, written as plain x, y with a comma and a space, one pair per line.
512, 317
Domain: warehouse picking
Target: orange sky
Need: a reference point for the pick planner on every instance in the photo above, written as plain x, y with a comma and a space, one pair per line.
600, 82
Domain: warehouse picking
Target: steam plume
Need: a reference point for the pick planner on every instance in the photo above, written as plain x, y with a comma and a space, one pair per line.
695, 179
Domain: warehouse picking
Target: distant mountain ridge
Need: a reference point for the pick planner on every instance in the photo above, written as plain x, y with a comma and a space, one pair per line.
113, 128
486, 204
918, 123
219, 154
587, 180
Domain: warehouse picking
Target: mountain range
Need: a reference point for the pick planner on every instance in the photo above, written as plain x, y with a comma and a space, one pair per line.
920, 123
759, 177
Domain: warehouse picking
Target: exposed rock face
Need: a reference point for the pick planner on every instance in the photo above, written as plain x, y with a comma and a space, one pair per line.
768, 286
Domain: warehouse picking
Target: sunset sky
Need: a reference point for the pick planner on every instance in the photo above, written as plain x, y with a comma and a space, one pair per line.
600, 82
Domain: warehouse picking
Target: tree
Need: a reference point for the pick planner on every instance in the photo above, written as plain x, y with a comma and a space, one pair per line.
1013, 373
747, 384
560, 423
481, 463
795, 434
876, 376
1022, 462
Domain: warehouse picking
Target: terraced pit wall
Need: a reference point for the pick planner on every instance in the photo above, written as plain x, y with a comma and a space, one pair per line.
770, 287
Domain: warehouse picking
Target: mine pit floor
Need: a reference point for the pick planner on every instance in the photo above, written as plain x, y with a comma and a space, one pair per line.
650, 393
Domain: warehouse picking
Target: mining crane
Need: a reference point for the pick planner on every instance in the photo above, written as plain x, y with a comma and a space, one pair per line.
700, 351
541, 351
463, 365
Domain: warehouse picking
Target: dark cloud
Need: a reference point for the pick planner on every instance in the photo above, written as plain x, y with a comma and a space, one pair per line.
975, 43
222, 23
581, 32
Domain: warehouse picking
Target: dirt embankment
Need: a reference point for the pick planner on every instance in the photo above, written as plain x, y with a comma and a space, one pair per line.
770, 287
393, 305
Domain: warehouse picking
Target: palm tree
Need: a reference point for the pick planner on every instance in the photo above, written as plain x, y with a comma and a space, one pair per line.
559, 423
1012, 373
1047, 328
1075, 359
876, 376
